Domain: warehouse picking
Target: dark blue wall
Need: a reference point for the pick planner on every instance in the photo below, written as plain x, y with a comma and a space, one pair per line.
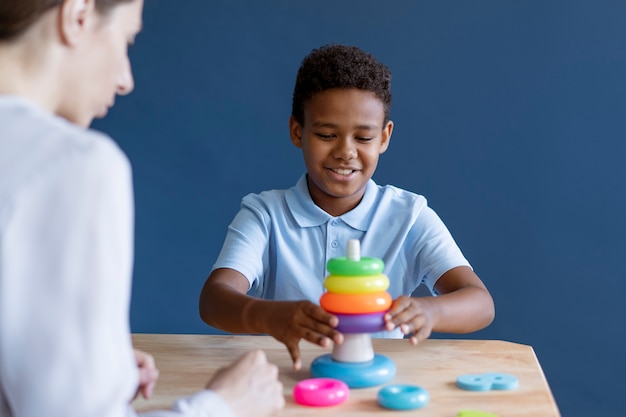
510, 118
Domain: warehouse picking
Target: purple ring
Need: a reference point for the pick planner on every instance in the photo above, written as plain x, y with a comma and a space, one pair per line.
361, 323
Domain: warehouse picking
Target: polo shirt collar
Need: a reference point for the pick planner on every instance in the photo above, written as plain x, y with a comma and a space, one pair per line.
308, 214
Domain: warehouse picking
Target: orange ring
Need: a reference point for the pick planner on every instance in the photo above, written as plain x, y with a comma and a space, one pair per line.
355, 303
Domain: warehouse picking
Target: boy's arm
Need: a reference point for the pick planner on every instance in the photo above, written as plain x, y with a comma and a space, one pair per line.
464, 305
225, 305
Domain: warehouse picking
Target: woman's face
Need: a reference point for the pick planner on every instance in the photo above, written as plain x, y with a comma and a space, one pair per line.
102, 68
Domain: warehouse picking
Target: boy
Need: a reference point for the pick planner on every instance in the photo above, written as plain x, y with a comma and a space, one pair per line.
269, 275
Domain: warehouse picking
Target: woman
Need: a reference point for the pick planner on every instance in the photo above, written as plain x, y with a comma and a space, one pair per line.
66, 221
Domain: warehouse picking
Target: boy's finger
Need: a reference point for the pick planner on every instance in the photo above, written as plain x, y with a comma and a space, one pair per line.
399, 305
318, 339
421, 334
294, 352
320, 315
401, 317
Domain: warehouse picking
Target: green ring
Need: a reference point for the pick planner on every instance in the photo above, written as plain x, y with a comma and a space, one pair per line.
345, 267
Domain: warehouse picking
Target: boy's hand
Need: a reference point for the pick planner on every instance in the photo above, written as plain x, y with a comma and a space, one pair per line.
290, 321
413, 316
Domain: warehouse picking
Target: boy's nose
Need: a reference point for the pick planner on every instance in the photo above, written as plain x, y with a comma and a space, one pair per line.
345, 149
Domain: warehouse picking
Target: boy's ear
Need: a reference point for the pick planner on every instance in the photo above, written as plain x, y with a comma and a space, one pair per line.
74, 18
295, 132
386, 136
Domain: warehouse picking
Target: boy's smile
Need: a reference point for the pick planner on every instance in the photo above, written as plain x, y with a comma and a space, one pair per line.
341, 140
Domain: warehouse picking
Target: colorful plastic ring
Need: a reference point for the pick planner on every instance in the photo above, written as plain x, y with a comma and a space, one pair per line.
487, 381
361, 323
320, 392
403, 397
355, 303
475, 413
379, 370
359, 284
366, 266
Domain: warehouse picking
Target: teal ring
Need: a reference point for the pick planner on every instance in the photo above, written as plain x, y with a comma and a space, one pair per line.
403, 397
378, 371
487, 381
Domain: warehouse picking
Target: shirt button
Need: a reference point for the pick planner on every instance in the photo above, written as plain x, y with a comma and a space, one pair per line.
334, 244
334, 223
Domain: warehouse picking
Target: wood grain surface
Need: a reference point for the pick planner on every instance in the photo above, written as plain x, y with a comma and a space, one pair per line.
186, 363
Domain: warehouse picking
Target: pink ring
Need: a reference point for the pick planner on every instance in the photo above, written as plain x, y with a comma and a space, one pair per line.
320, 392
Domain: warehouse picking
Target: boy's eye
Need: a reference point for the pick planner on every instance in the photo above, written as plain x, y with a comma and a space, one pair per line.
325, 136
363, 139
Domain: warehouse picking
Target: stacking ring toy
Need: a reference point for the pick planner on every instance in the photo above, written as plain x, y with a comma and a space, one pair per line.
379, 370
487, 381
359, 284
320, 392
361, 323
365, 266
475, 413
355, 303
403, 397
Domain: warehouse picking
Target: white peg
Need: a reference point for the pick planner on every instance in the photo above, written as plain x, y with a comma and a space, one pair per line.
355, 348
354, 250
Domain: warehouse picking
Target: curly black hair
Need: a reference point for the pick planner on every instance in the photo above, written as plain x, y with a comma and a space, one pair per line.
340, 66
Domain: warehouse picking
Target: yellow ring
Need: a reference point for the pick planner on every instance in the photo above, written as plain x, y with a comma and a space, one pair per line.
355, 303
356, 284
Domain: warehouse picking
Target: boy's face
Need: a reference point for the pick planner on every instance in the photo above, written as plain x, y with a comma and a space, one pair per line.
341, 140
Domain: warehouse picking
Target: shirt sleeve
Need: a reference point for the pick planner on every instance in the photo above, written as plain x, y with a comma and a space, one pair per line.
202, 404
245, 247
436, 248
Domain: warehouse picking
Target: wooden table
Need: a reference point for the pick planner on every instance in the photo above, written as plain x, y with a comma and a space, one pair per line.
186, 363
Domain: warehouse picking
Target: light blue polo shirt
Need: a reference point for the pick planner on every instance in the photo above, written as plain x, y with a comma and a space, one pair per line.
280, 241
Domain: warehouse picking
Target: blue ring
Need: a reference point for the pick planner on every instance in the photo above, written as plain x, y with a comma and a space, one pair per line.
403, 397
378, 371
361, 323
487, 381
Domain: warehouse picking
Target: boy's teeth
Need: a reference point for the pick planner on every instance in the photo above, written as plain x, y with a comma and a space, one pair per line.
343, 171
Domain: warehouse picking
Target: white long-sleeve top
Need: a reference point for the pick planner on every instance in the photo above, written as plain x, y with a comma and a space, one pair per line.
66, 255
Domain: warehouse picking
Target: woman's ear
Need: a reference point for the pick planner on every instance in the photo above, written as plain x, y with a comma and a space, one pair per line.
295, 132
386, 137
74, 18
